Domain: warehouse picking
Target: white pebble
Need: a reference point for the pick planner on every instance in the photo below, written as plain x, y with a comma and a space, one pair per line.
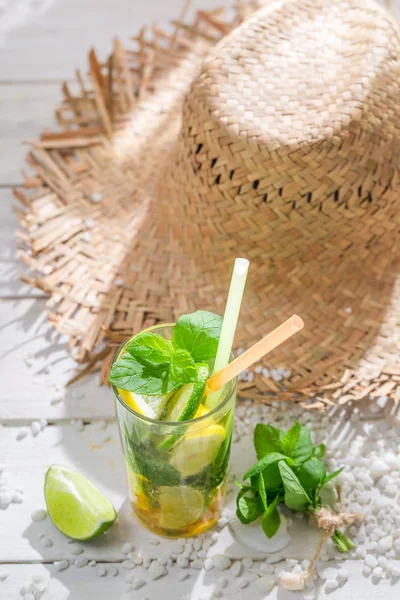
215, 536
291, 582
222, 583
126, 548
22, 433
5, 500
267, 569
385, 544
47, 542
342, 575
396, 571
136, 558
266, 584
377, 572
113, 570
366, 571
17, 498
371, 561
29, 596
182, 575
3, 576
242, 582
378, 468
80, 562
222, 522
92, 563
75, 549
156, 570
208, 564
35, 428
128, 565
138, 583
236, 568
247, 562
193, 556
146, 562
163, 560
202, 554
154, 541
197, 544
182, 562
43, 423
39, 515
101, 571
221, 562
274, 558
331, 585
197, 564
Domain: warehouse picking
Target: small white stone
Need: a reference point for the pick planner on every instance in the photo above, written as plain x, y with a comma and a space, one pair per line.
154, 541
378, 468
35, 428
47, 542
138, 583
377, 572
202, 554
267, 569
247, 562
128, 565
156, 570
163, 560
215, 536
80, 562
291, 581
101, 570
221, 562
366, 571
3, 575
136, 558
92, 563
208, 564
197, 544
182, 575
146, 562
385, 544
126, 548
396, 571
113, 570
17, 498
39, 515
193, 556
222, 582
5, 500
274, 558
43, 423
266, 583
182, 562
197, 564
331, 585
242, 582
22, 433
222, 522
292, 562
342, 575
236, 568
75, 549
29, 596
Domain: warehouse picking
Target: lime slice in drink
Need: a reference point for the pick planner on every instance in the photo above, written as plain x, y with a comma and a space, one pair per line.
197, 450
149, 406
76, 507
185, 402
180, 506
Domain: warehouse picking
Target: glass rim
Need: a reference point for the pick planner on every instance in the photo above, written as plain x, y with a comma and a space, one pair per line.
159, 421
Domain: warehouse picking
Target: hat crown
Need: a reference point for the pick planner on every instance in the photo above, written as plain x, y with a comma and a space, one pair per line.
299, 104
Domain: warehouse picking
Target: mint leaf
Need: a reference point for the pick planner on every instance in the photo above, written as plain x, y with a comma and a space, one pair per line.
332, 476
150, 349
304, 447
266, 440
182, 367
319, 451
198, 333
311, 474
290, 439
247, 509
295, 495
261, 491
272, 478
129, 374
265, 462
271, 520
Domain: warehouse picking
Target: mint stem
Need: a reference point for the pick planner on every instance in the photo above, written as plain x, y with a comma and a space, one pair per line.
342, 542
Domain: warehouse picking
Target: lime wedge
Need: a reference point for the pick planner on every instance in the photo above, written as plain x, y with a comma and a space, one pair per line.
180, 506
76, 507
197, 450
185, 402
149, 406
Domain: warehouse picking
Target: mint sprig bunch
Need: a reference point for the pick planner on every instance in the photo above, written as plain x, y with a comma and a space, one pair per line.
289, 471
153, 366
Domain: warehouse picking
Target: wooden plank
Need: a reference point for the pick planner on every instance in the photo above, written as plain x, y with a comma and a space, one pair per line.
81, 584
25, 110
36, 366
50, 43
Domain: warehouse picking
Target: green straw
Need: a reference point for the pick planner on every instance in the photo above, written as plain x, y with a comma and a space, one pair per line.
229, 323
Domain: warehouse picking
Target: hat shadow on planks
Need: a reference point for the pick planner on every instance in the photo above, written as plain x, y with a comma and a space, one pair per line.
273, 135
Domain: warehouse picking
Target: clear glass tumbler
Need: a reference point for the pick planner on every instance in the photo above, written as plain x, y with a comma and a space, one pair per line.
177, 471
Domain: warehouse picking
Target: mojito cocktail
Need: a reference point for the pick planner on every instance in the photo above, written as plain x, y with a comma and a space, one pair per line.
176, 439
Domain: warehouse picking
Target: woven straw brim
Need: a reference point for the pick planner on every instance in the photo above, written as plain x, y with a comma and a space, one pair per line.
118, 249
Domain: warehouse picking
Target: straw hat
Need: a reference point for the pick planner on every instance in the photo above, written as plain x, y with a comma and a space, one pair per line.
279, 143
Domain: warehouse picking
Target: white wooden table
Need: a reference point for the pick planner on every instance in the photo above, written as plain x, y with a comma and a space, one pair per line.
41, 43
